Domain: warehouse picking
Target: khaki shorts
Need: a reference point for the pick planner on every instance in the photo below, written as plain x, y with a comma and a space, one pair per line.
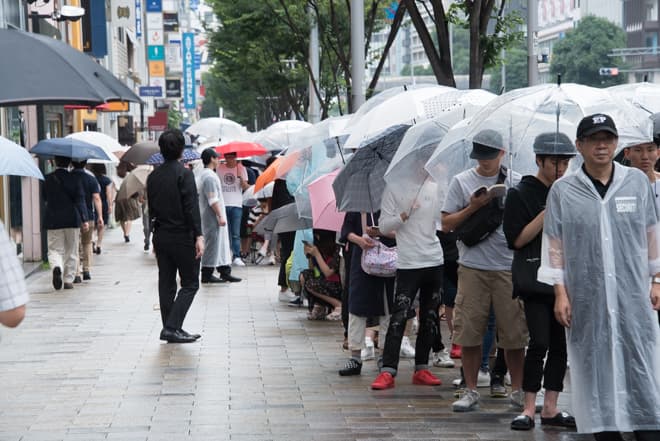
477, 290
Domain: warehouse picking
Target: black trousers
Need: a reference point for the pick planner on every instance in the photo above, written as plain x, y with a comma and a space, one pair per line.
546, 335
286, 248
641, 435
348, 252
428, 282
176, 253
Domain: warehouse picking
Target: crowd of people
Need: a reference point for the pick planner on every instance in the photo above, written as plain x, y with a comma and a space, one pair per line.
534, 269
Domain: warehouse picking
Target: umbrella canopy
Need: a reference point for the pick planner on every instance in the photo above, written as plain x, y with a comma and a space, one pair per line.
283, 220
69, 147
218, 130
16, 161
324, 206
268, 176
643, 95
134, 182
107, 143
280, 135
360, 184
48, 71
141, 152
242, 149
408, 107
328, 128
187, 156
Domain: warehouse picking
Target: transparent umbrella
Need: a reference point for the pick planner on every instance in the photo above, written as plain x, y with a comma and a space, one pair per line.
280, 135
646, 96
218, 130
319, 132
107, 143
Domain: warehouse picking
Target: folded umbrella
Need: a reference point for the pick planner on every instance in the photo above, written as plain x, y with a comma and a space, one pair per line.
107, 143
282, 220
16, 161
69, 147
360, 184
187, 156
141, 152
134, 182
242, 149
324, 206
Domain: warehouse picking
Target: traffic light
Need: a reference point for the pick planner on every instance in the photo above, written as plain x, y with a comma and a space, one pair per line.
608, 71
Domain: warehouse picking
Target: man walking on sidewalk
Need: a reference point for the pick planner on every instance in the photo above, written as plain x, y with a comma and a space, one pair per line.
94, 212
178, 241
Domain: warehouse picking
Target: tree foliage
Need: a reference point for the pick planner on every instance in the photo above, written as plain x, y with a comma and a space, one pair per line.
515, 61
579, 55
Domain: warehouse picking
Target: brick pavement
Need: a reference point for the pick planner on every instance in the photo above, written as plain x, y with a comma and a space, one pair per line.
87, 365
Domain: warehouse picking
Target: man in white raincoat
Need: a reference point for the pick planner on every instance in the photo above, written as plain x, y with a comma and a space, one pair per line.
217, 253
601, 251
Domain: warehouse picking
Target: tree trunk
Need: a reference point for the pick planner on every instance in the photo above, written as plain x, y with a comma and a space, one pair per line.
444, 38
394, 29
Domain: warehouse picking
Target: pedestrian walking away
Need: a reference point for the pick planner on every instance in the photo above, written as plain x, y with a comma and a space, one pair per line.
601, 252
178, 240
94, 208
523, 225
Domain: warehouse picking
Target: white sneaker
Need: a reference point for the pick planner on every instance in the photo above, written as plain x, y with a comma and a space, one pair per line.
407, 349
517, 399
442, 359
271, 260
369, 351
483, 379
507, 379
469, 401
286, 296
238, 262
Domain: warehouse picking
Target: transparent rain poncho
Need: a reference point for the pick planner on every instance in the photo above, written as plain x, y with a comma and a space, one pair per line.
604, 251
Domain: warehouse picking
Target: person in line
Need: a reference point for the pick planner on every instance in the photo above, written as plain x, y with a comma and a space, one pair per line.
178, 241
13, 290
523, 225
127, 210
107, 197
321, 281
369, 296
234, 180
419, 269
94, 210
601, 252
280, 198
217, 254
65, 215
484, 274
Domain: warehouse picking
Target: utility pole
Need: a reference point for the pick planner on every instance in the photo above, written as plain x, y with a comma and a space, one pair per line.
357, 54
314, 111
532, 61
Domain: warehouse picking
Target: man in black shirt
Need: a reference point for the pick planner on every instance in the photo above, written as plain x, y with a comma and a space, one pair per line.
178, 241
523, 225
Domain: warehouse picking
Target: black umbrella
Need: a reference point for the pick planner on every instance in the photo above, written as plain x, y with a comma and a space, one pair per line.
37, 69
360, 184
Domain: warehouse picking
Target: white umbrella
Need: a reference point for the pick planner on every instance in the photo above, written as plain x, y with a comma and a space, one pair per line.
17, 161
643, 95
280, 135
328, 128
105, 142
218, 130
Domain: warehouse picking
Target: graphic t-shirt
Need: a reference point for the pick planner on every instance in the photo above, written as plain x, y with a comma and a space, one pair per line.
231, 185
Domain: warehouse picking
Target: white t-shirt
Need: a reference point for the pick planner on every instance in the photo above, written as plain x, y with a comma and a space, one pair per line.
231, 185
656, 190
492, 253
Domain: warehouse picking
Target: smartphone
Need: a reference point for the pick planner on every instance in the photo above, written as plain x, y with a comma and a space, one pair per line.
307, 243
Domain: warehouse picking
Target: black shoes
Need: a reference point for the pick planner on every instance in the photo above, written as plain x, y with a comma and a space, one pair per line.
127, 239
522, 422
68, 285
229, 278
97, 250
195, 336
77, 279
177, 336
352, 367
86, 275
57, 277
212, 279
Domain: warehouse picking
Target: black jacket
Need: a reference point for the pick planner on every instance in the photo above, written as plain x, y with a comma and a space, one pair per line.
523, 203
173, 203
65, 201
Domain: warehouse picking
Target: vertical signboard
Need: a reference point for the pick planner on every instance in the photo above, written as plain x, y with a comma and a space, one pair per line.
138, 18
188, 44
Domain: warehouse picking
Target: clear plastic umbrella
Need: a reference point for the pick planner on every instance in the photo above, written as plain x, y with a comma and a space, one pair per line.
107, 143
643, 95
218, 130
326, 129
280, 135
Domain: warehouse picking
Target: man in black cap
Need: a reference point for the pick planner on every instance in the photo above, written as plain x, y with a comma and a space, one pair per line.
523, 225
601, 252
484, 274
178, 241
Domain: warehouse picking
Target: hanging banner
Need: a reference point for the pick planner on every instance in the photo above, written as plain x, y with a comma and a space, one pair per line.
189, 70
138, 18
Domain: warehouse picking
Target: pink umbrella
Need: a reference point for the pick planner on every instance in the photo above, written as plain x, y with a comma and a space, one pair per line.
324, 206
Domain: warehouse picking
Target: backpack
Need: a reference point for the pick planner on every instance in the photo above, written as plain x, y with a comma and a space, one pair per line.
484, 221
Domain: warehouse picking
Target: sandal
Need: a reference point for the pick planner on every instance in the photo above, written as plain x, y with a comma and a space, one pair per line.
522, 422
562, 419
335, 315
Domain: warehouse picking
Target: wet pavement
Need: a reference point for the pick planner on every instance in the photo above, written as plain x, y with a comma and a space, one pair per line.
86, 364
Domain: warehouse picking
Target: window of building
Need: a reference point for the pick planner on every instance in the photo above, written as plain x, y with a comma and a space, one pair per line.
651, 39
652, 10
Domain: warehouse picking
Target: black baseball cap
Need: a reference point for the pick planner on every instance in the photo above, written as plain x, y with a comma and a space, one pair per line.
598, 122
208, 154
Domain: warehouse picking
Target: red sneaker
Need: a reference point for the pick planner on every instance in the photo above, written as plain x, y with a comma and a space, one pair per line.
424, 377
384, 380
455, 351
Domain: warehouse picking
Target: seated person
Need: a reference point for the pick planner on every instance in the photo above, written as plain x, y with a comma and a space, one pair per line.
321, 281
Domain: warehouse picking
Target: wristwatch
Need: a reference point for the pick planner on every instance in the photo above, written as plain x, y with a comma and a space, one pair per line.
656, 279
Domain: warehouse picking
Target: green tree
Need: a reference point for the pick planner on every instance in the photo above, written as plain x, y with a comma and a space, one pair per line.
579, 55
515, 61
174, 117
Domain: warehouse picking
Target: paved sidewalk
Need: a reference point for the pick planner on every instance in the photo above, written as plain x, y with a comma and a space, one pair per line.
87, 365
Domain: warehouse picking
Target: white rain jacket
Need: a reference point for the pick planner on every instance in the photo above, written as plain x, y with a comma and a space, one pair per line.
603, 250
216, 238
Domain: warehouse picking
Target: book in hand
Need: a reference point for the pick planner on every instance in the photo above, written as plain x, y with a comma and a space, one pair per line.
494, 191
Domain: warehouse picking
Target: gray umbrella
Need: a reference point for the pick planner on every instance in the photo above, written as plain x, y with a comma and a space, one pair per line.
360, 185
41, 70
282, 220
141, 152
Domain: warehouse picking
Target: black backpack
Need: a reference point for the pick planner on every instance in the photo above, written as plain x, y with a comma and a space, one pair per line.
484, 221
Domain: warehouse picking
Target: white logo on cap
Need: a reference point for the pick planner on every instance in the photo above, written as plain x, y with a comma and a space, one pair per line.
599, 119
